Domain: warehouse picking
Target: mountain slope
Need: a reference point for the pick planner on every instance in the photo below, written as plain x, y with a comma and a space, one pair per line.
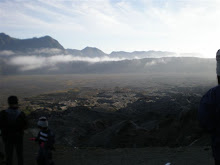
92, 52
87, 52
9, 43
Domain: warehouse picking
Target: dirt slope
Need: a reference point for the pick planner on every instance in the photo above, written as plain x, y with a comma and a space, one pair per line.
127, 156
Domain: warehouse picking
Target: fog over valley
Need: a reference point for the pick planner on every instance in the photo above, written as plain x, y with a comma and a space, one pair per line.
45, 55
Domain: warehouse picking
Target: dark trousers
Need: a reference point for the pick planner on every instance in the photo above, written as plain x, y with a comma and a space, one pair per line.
11, 143
44, 157
217, 162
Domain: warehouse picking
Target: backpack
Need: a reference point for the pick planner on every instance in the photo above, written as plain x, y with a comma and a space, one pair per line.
12, 123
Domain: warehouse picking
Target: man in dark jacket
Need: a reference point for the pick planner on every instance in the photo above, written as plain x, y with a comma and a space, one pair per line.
13, 123
209, 114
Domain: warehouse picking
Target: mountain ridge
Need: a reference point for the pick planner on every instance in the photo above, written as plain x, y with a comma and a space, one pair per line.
30, 45
14, 44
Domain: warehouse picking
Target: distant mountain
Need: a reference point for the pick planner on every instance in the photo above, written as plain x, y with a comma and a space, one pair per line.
92, 52
87, 52
14, 44
74, 52
95, 52
47, 46
142, 54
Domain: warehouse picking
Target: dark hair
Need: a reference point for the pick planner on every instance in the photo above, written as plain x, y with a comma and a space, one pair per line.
12, 100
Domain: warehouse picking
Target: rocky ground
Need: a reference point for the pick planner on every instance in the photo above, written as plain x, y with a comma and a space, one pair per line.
194, 155
65, 155
118, 124
89, 117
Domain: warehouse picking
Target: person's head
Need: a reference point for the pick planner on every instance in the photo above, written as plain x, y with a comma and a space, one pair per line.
13, 102
42, 123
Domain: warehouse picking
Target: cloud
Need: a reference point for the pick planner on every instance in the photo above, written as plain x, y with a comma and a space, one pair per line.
6, 53
191, 55
156, 62
35, 62
28, 63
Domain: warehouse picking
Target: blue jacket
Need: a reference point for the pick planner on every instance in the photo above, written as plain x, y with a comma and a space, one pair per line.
209, 117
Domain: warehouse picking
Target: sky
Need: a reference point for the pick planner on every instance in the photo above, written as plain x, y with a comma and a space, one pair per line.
182, 26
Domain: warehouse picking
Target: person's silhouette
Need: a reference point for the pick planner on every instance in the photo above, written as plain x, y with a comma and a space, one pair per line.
209, 114
13, 123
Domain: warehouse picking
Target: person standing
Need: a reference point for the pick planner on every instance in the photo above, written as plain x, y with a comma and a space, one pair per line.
46, 140
13, 122
209, 113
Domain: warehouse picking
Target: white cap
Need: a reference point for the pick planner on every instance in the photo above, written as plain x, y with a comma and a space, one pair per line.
42, 122
218, 62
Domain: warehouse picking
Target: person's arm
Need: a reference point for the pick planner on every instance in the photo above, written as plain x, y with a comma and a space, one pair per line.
2, 119
207, 111
36, 139
25, 121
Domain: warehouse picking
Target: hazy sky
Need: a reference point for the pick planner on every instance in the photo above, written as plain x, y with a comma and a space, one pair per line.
181, 26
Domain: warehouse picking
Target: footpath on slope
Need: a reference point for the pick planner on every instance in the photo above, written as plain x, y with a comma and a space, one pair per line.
122, 156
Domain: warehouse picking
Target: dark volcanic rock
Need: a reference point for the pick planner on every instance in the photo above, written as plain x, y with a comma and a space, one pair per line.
158, 120
119, 135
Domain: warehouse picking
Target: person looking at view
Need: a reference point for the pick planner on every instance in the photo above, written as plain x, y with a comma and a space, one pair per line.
209, 113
